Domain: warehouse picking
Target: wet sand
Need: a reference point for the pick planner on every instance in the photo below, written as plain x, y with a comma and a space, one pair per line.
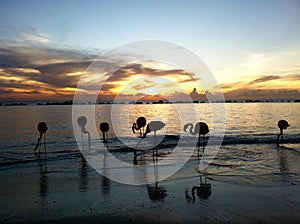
85, 199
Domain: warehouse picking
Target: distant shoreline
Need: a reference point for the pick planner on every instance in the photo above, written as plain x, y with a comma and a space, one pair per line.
49, 103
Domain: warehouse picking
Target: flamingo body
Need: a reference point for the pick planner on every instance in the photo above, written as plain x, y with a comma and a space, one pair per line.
42, 128
283, 125
104, 127
139, 124
200, 128
81, 121
154, 126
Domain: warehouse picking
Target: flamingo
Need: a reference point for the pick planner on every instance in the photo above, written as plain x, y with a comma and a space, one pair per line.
154, 126
42, 128
200, 128
82, 121
104, 127
140, 123
282, 124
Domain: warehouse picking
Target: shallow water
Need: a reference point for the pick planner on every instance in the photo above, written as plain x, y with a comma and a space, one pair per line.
248, 154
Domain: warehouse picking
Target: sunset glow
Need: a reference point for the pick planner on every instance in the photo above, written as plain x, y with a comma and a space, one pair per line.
253, 59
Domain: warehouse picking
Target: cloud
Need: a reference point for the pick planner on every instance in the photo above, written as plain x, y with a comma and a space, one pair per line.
295, 77
281, 87
256, 59
40, 69
261, 94
265, 79
147, 84
35, 38
127, 71
47, 72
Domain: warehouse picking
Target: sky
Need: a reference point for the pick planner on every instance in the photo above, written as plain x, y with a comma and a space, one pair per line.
251, 47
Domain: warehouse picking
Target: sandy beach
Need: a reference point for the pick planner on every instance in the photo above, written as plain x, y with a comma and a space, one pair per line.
46, 199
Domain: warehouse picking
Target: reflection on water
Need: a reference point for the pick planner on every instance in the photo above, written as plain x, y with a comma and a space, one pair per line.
260, 164
105, 182
43, 181
249, 154
155, 192
203, 191
105, 185
283, 164
83, 175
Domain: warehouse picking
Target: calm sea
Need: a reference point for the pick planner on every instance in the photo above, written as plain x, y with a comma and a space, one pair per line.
248, 153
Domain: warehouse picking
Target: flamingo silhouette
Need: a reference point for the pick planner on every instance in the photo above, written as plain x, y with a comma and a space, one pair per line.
200, 128
104, 127
82, 121
282, 124
154, 126
42, 128
139, 125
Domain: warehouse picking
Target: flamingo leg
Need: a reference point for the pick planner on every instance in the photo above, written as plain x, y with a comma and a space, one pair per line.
103, 133
277, 140
278, 136
155, 147
40, 141
198, 142
37, 144
45, 141
89, 140
203, 144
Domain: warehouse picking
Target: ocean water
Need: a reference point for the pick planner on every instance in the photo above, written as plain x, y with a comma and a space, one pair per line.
248, 154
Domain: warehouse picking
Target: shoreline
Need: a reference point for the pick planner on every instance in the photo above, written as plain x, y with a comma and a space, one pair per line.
70, 103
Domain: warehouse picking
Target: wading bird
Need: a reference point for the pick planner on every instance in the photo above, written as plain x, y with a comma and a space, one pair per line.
200, 128
42, 128
82, 121
104, 127
282, 124
139, 125
154, 126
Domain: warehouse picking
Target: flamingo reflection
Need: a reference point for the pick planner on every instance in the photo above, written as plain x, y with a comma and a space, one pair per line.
203, 191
